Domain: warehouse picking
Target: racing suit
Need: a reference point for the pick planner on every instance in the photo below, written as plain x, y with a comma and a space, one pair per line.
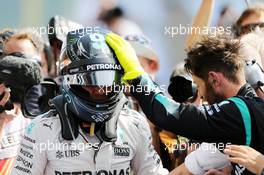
9, 142
44, 151
218, 123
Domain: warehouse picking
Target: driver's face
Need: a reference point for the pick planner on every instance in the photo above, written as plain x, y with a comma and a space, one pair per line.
97, 93
207, 91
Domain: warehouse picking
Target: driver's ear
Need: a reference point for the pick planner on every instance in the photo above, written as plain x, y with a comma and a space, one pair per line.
214, 79
154, 65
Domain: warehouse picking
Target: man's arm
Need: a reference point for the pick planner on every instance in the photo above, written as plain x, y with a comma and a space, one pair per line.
180, 170
146, 159
212, 124
216, 123
246, 156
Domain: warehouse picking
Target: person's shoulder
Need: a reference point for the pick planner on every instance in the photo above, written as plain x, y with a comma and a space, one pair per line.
135, 128
253, 100
128, 114
47, 122
224, 107
47, 116
132, 119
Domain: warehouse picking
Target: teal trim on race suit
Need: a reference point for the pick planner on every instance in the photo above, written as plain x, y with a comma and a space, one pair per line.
171, 108
245, 115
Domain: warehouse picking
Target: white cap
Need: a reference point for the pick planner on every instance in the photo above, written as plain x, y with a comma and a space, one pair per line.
206, 157
254, 74
142, 46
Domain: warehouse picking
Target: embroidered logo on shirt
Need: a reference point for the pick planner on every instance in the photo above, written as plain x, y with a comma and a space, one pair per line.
121, 151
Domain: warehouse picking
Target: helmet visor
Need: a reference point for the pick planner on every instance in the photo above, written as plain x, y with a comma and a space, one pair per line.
97, 78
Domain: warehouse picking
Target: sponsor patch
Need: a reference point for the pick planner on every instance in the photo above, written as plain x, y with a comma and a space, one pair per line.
125, 152
26, 153
10, 140
48, 125
103, 67
23, 169
67, 153
30, 127
29, 139
99, 172
25, 162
